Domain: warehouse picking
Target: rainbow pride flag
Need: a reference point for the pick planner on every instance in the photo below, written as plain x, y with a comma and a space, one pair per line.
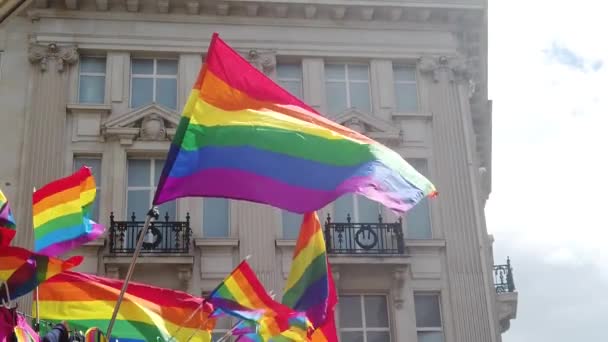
7, 222
94, 335
23, 334
62, 214
242, 136
147, 312
328, 332
24, 270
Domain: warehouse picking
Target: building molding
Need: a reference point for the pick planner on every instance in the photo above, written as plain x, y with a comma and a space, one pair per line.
148, 123
61, 54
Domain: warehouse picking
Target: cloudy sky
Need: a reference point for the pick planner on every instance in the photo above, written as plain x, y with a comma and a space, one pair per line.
548, 209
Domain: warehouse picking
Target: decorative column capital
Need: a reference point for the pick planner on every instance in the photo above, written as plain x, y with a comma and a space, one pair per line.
38, 53
399, 275
456, 68
264, 61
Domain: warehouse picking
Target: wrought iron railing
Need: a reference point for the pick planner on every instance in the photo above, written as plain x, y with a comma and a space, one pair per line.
163, 236
377, 238
503, 278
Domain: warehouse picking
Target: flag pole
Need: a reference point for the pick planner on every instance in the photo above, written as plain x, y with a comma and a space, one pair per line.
150, 217
37, 307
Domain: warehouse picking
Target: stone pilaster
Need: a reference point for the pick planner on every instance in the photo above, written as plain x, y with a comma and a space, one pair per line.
455, 175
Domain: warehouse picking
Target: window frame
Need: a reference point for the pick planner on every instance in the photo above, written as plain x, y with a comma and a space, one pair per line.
154, 76
152, 188
363, 329
95, 74
97, 181
439, 308
354, 215
406, 82
228, 220
412, 161
288, 79
347, 82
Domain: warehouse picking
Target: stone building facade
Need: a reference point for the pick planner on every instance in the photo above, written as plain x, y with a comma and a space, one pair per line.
102, 83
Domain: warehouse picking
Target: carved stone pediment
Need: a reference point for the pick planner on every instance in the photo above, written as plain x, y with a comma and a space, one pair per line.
369, 125
148, 123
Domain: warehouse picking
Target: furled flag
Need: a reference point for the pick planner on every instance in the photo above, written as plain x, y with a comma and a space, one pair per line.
23, 270
7, 222
24, 333
94, 335
242, 136
327, 332
62, 212
242, 295
146, 313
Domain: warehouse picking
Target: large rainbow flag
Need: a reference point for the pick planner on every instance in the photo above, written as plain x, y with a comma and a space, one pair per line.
147, 312
62, 214
24, 270
7, 222
242, 136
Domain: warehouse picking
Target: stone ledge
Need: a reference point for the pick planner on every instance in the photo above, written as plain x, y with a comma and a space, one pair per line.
171, 259
219, 242
85, 107
430, 243
369, 260
285, 243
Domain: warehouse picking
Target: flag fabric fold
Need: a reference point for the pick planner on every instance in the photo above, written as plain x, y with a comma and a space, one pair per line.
7, 222
242, 136
146, 313
62, 211
23, 270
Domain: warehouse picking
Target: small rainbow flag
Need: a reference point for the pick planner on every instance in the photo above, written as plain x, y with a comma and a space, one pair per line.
146, 313
24, 270
62, 214
23, 334
94, 335
242, 136
7, 222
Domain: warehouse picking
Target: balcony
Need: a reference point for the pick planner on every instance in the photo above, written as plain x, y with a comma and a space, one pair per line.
364, 239
506, 296
163, 236
503, 278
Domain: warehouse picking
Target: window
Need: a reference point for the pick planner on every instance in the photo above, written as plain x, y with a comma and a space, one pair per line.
360, 208
406, 90
418, 219
291, 223
142, 178
428, 318
92, 80
289, 76
347, 86
364, 318
216, 213
95, 164
154, 81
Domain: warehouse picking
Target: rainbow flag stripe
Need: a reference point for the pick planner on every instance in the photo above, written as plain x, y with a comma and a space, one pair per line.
7, 222
94, 335
23, 334
147, 312
307, 288
242, 136
62, 214
24, 270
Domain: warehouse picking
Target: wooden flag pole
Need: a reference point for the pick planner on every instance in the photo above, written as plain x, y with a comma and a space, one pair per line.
150, 217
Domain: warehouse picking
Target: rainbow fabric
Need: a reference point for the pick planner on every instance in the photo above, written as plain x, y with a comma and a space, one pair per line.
62, 214
94, 335
307, 288
242, 295
242, 136
25, 334
24, 270
146, 312
7, 222
327, 332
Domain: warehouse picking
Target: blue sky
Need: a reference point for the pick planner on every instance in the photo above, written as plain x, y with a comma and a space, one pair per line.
548, 80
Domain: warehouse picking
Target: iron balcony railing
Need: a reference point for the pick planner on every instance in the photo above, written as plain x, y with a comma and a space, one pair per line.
503, 278
378, 238
163, 236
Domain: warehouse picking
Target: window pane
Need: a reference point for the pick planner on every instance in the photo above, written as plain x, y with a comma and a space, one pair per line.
358, 72
406, 96
138, 201
293, 87
336, 97
359, 96
142, 66
166, 92
418, 221
376, 315
138, 172
92, 89
158, 170
93, 65
427, 311
368, 210
166, 67
141, 91
291, 224
164, 209
351, 336
342, 207
404, 73
350, 312
430, 336
95, 208
93, 163
335, 72
291, 71
215, 217
378, 336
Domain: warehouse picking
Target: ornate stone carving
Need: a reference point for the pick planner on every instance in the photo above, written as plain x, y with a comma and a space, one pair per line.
184, 274
152, 128
398, 280
264, 61
112, 272
455, 68
61, 54
356, 125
